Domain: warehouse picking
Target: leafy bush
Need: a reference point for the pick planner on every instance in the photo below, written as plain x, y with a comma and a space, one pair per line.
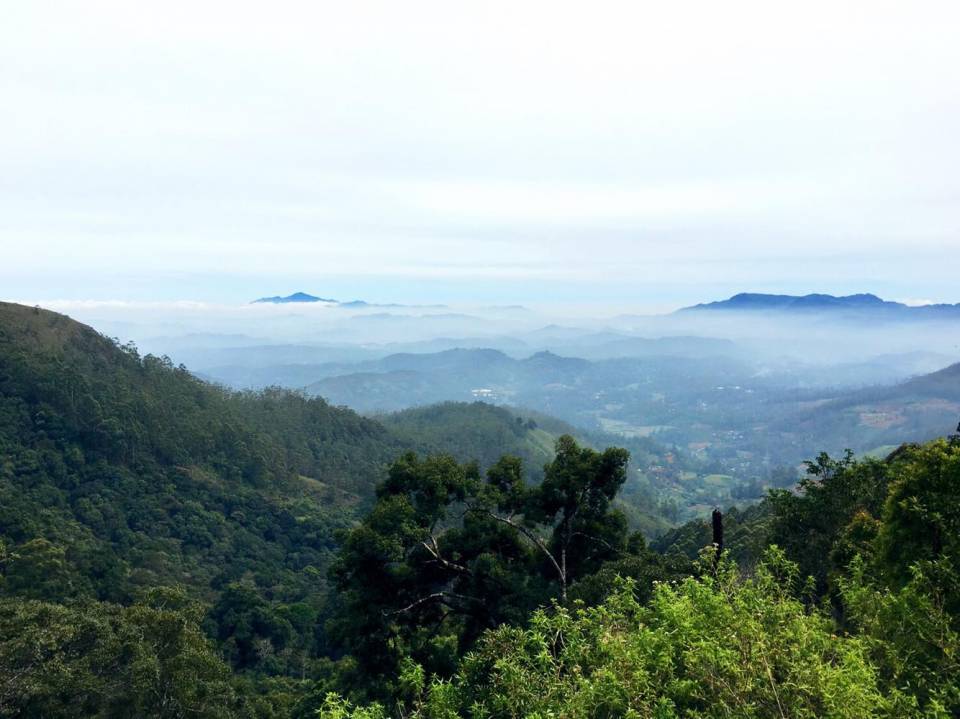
716, 646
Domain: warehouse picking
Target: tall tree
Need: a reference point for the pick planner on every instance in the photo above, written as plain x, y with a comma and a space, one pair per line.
444, 554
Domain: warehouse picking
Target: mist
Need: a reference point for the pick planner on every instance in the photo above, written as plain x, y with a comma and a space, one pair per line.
189, 331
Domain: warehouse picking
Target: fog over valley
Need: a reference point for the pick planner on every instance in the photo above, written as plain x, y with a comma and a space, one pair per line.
741, 387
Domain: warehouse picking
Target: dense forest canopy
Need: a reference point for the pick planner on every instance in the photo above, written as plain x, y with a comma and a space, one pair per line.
170, 548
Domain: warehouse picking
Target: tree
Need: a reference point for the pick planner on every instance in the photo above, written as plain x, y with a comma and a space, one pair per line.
921, 514
39, 569
248, 627
103, 660
807, 525
444, 555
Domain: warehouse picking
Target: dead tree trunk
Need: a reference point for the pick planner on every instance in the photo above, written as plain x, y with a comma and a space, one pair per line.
717, 536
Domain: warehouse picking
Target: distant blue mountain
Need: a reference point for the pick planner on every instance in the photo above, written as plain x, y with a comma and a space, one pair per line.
817, 303
351, 305
295, 297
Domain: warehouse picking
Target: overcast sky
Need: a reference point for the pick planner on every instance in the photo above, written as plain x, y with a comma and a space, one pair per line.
644, 153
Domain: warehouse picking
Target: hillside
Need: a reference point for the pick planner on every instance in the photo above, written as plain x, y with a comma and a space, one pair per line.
944, 383
571, 388
475, 431
916, 410
119, 473
167, 479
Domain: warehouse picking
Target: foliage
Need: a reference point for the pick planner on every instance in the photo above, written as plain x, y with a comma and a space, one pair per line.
912, 634
808, 524
119, 473
884, 536
903, 590
444, 555
921, 514
717, 646
103, 660
477, 431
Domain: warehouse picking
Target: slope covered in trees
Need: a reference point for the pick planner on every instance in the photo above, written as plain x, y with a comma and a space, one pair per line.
477, 431
105, 449
121, 473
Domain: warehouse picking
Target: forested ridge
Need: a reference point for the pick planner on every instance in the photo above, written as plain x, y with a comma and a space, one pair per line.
169, 548
120, 474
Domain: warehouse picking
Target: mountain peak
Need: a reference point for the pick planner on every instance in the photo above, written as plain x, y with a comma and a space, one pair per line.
295, 297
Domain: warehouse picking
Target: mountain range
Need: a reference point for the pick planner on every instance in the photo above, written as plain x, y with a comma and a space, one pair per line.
817, 303
743, 301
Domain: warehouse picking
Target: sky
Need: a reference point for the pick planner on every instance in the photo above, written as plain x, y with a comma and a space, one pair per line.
637, 154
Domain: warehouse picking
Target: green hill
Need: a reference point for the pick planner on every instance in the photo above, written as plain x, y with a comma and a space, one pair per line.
916, 410
119, 473
477, 431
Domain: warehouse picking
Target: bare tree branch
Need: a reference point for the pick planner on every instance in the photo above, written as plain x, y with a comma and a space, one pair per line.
440, 596
434, 550
561, 572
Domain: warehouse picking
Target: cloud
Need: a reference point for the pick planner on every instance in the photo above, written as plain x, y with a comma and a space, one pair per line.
68, 305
